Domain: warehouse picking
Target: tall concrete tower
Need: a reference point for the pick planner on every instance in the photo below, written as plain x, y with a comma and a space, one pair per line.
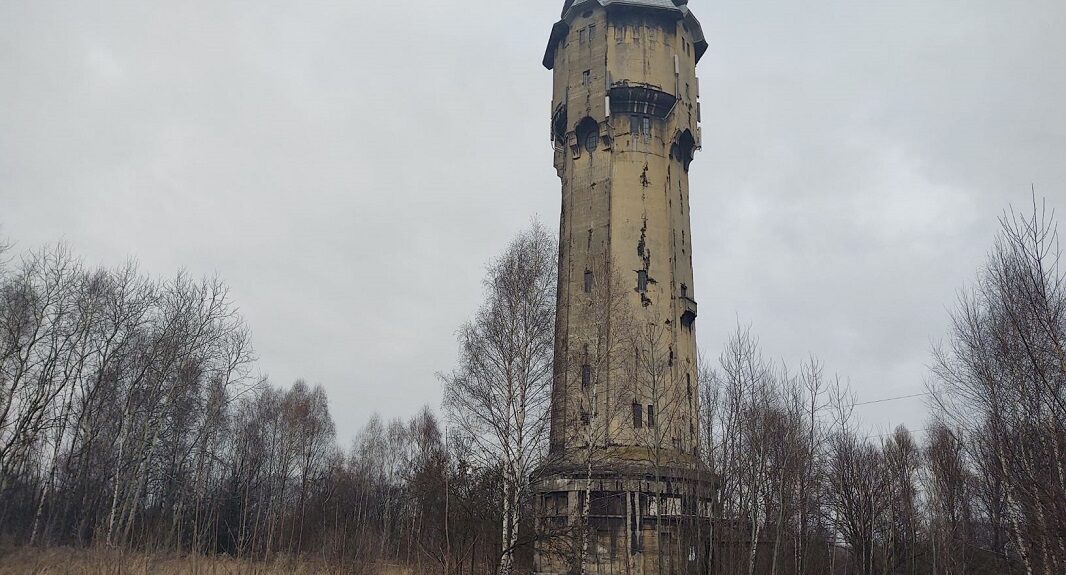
623, 490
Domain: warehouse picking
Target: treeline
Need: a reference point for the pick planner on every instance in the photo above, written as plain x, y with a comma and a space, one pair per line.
131, 416
983, 492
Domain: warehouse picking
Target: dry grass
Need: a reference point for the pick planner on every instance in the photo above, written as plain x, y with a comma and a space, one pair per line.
70, 561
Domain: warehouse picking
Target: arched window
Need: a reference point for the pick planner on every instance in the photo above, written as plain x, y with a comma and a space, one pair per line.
588, 134
683, 148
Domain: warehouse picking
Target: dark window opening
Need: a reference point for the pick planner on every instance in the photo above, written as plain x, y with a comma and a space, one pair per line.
592, 32
638, 415
588, 134
686, 145
684, 290
592, 140
586, 375
607, 504
642, 280
651, 416
584, 417
588, 281
555, 504
581, 35
640, 127
586, 77
559, 127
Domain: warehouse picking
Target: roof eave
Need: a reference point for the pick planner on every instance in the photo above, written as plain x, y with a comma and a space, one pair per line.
559, 30
562, 27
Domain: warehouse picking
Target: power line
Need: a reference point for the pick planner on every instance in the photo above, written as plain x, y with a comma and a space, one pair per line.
891, 399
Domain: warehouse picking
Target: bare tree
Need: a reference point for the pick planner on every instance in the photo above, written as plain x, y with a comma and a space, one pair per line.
498, 396
948, 491
1001, 380
858, 496
902, 459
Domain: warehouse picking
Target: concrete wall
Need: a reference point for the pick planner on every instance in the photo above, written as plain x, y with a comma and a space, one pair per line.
625, 207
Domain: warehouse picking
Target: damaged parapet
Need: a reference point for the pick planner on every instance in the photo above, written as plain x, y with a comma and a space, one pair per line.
623, 489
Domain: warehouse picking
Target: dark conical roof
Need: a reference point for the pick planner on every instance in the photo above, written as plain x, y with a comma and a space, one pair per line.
572, 7
649, 3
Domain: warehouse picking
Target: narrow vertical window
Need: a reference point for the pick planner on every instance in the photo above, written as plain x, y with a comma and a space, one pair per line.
651, 416
647, 129
634, 125
592, 32
588, 281
642, 280
584, 417
581, 35
638, 415
586, 77
586, 375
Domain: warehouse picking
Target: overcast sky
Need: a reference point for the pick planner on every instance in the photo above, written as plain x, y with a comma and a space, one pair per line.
349, 167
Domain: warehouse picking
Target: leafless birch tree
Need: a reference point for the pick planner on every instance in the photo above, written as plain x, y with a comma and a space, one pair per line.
498, 396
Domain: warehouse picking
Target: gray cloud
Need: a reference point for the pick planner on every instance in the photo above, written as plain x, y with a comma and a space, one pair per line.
349, 167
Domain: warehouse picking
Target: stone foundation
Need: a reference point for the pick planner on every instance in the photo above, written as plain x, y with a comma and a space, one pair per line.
639, 521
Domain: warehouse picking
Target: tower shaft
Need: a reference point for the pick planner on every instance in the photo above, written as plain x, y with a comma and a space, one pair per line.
624, 475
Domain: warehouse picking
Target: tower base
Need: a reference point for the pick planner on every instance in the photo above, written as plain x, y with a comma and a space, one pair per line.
631, 519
